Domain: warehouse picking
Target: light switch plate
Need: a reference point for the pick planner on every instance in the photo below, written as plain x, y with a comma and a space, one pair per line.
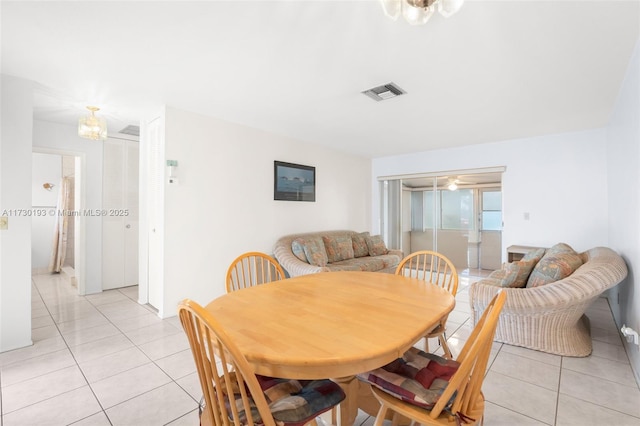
4, 223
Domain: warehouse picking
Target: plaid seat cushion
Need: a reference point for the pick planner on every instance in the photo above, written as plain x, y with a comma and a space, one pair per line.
418, 378
295, 402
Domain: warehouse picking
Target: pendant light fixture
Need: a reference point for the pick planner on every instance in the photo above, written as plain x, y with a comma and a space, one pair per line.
418, 12
91, 126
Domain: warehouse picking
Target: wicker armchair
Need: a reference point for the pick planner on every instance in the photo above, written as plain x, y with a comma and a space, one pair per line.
551, 318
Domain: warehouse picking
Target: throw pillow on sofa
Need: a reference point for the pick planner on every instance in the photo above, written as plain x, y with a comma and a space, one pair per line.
315, 251
338, 248
516, 274
559, 262
297, 248
360, 248
376, 245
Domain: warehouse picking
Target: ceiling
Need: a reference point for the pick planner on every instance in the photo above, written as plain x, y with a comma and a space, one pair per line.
497, 70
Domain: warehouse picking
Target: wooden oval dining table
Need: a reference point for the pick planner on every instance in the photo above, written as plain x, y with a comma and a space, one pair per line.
330, 325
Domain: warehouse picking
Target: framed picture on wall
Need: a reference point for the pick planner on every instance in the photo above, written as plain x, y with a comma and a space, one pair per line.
293, 182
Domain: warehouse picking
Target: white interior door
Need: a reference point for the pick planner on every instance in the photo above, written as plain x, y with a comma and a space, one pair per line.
120, 208
154, 189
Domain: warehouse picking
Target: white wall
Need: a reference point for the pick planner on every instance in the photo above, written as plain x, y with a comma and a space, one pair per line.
223, 204
45, 168
623, 140
560, 180
16, 116
51, 136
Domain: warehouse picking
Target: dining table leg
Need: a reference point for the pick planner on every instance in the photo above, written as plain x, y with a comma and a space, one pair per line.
348, 409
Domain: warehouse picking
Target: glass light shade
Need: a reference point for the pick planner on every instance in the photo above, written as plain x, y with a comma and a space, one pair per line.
391, 8
417, 15
92, 127
449, 7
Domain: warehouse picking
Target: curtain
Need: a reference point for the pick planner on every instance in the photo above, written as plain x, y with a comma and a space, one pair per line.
59, 244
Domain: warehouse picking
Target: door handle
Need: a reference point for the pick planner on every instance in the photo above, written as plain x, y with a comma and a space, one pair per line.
128, 226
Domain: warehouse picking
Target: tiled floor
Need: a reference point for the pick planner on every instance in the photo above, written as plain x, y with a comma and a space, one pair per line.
103, 359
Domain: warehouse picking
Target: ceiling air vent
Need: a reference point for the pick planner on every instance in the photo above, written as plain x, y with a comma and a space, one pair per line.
131, 130
384, 92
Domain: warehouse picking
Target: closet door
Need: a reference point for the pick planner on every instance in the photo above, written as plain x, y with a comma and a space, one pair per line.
120, 205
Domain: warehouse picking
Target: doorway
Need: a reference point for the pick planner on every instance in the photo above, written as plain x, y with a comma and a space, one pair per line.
55, 173
458, 214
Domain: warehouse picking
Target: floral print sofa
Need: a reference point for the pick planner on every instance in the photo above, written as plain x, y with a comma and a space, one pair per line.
326, 251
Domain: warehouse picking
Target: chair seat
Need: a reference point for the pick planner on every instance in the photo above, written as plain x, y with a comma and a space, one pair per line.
295, 402
436, 331
423, 416
418, 378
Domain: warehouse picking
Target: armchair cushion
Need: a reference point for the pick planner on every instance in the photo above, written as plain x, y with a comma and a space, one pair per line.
559, 262
418, 378
516, 274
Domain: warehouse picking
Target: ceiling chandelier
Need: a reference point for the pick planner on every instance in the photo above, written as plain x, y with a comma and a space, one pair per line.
91, 126
418, 12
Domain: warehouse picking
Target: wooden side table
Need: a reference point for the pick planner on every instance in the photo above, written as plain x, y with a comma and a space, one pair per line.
515, 253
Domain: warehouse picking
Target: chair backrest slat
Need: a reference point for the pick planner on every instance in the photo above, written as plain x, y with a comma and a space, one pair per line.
431, 267
251, 269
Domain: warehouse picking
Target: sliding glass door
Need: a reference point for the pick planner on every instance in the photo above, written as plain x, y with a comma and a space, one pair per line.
459, 216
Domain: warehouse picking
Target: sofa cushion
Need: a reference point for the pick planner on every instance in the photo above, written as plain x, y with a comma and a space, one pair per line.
559, 262
360, 248
367, 263
516, 274
376, 245
338, 247
314, 251
418, 378
297, 248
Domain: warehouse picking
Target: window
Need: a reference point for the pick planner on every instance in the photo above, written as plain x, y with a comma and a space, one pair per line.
491, 210
457, 209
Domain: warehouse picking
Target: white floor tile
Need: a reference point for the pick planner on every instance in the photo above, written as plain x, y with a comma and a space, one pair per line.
157, 331
178, 365
99, 419
150, 409
494, 415
88, 335
129, 384
574, 412
115, 363
601, 392
606, 369
516, 395
164, 347
37, 366
528, 370
63, 409
41, 388
191, 384
100, 348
